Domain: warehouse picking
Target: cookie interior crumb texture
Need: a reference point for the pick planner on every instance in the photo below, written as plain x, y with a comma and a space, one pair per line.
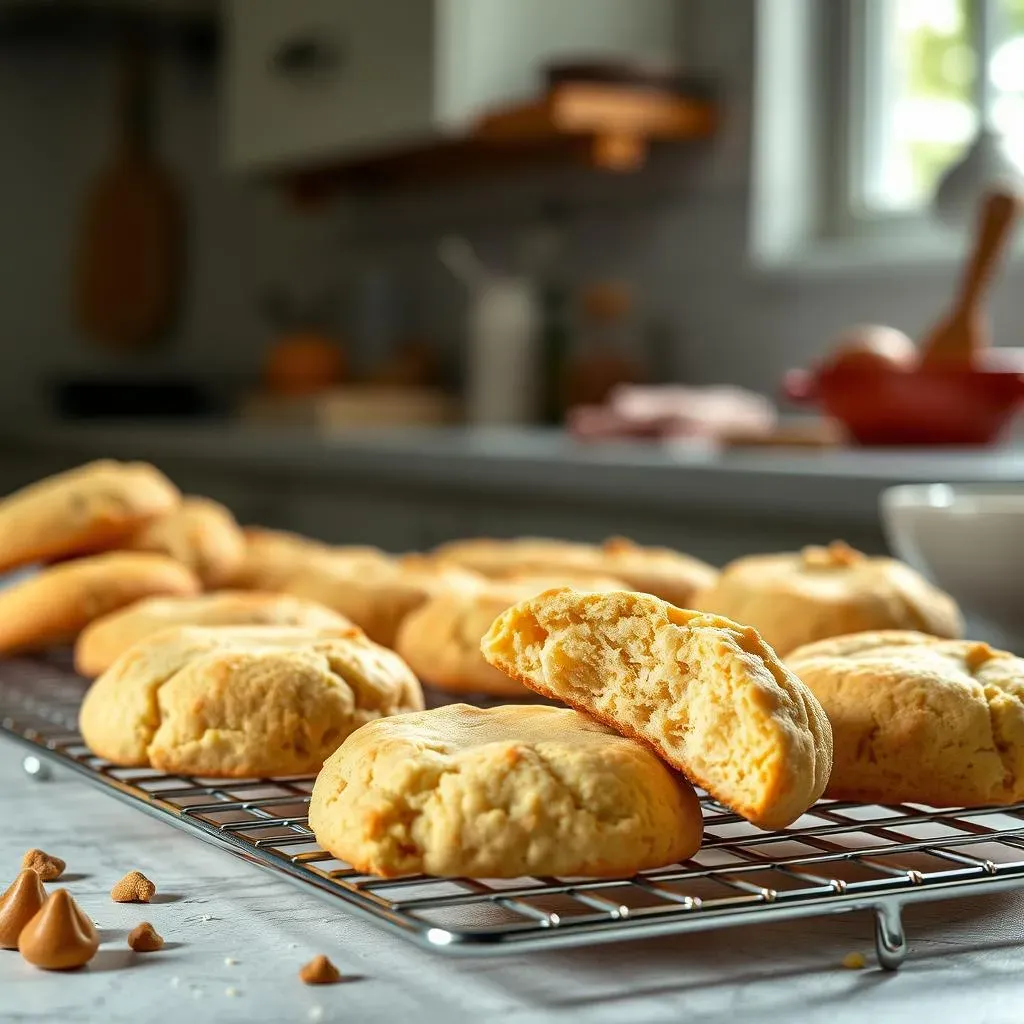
705, 693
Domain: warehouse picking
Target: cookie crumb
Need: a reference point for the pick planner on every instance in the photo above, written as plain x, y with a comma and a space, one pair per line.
143, 938
135, 887
175, 981
854, 961
231, 992
206, 917
230, 961
320, 971
45, 865
316, 1013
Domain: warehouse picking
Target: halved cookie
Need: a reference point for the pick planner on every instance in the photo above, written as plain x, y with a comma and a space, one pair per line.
708, 695
501, 793
440, 640
242, 701
102, 642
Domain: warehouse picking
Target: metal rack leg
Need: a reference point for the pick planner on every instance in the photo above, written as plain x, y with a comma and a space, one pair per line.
890, 939
36, 768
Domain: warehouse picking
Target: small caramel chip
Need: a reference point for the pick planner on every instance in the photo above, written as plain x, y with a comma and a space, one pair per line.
836, 555
320, 971
143, 938
854, 961
135, 887
45, 865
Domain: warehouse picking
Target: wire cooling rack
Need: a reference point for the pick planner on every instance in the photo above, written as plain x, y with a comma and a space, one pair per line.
839, 857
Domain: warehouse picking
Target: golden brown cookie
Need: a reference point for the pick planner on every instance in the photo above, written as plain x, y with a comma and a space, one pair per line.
273, 557
102, 642
668, 574
440, 640
917, 719
523, 556
501, 793
795, 599
83, 510
201, 534
706, 694
378, 595
242, 701
55, 604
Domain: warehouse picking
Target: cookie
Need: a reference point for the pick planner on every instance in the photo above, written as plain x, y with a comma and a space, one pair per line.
54, 605
440, 640
378, 595
501, 793
917, 719
668, 574
201, 534
81, 511
272, 557
235, 702
524, 556
102, 642
706, 694
795, 599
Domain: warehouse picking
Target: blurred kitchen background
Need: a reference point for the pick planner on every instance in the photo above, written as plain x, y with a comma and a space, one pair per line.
378, 272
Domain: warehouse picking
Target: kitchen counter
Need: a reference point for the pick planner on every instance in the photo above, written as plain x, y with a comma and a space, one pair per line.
834, 483
236, 937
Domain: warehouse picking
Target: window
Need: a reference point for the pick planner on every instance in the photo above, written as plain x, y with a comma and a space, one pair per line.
916, 94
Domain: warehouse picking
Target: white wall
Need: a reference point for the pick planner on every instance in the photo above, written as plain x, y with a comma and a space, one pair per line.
679, 230
56, 122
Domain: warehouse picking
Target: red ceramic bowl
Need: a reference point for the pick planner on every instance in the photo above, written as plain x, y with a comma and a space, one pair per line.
935, 407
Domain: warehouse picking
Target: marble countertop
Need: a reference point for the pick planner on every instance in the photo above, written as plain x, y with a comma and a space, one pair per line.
236, 937
838, 484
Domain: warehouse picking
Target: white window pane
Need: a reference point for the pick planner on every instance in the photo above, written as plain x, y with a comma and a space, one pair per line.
921, 72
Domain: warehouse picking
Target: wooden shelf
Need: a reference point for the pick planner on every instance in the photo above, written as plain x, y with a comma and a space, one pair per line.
607, 127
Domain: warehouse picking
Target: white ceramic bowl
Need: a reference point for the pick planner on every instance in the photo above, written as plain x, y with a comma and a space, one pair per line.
969, 540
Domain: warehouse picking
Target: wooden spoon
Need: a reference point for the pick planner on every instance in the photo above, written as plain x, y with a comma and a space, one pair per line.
963, 334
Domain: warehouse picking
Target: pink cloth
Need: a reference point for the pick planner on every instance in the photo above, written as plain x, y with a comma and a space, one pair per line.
675, 411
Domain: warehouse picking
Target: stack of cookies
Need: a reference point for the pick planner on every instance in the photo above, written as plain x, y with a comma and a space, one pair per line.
219, 651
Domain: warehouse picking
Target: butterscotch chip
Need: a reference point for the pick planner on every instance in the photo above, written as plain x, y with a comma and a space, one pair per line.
201, 534
917, 719
135, 887
45, 865
854, 961
708, 695
81, 511
143, 938
320, 971
502, 792
797, 598
18, 905
242, 701
60, 937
